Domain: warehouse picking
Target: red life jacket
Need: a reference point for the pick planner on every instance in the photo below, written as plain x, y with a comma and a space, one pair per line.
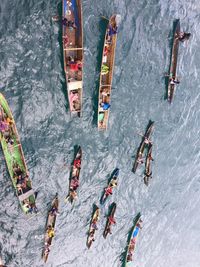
77, 163
108, 191
111, 220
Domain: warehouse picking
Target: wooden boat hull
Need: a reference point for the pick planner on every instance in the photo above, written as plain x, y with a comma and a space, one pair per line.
95, 216
75, 173
113, 177
126, 262
14, 155
148, 171
51, 220
108, 224
173, 62
73, 53
106, 75
142, 145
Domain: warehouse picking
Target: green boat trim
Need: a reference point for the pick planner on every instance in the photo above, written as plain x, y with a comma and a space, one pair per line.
14, 156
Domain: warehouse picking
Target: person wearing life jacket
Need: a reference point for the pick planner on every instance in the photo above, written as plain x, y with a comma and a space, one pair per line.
183, 36
77, 163
105, 105
108, 191
111, 220
94, 225
50, 231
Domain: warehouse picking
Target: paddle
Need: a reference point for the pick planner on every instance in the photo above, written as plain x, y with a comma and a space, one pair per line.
103, 17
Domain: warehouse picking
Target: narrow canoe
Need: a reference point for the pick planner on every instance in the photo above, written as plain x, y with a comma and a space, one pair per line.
131, 243
14, 157
50, 226
92, 230
173, 62
106, 74
112, 183
142, 145
148, 171
74, 176
72, 35
107, 229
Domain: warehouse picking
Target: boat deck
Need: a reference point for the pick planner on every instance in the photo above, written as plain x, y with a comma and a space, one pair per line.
73, 53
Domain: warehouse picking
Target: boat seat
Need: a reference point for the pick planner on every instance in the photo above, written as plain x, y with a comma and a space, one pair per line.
26, 195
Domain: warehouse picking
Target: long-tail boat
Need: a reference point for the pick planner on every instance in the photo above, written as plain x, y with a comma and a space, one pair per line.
106, 74
74, 176
112, 183
93, 226
72, 30
110, 220
145, 138
148, 171
131, 242
173, 62
14, 157
50, 225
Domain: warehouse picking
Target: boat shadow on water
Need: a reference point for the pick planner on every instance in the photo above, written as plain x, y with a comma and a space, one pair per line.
95, 96
60, 41
171, 40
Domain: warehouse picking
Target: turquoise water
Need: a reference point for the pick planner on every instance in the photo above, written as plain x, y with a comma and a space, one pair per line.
33, 82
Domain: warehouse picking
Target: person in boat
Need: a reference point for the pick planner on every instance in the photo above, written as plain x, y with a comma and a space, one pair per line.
108, 191
17, 170
50, 231
183, 36
75, 65
74, 184
174, 81
112, 30
105, 93
150, 157
105, 53
91, 236
65, 40
76, 105
147, 141
8, 138
72, 194
4, 126
113, 182
77, 163
105, 105
132, 244
9, 121
94, 225
111, 220
104, 69
32, 208
54, 211
74, 98
140, 159
26, 205
68, 23
46, 249
130, 256
19, 189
